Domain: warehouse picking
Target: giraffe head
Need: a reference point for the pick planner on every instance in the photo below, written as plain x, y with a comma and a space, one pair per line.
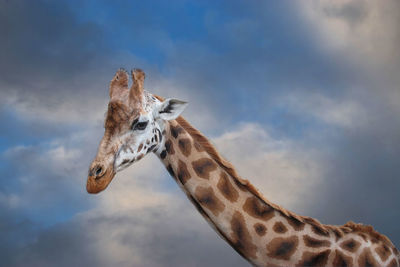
133, 126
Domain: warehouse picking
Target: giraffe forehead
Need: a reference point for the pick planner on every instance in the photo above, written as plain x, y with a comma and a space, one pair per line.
120, 114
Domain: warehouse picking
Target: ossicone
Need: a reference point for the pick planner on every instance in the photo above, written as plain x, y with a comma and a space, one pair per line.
119, 83
136, 90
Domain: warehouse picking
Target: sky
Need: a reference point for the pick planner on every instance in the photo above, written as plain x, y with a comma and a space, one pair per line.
302, 97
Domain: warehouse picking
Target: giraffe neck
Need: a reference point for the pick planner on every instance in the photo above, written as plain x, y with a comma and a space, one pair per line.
260, 231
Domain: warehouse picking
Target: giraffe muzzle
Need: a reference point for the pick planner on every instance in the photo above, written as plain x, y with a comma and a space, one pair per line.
99, 178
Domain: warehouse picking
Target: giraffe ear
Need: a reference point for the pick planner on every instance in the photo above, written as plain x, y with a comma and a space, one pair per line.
171, 108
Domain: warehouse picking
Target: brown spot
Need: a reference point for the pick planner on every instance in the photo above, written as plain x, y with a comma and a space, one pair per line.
182, 172
206, 197
374, 240
185, 146
366, 258
316, 226
140, 148
254, 207
319, 230
260, 229
350, 245
241, 186
140, 157
226, 188
169, 147
148, 142
383, 252
342, 260
315, 243
176, 130
240, 238
338, 233
295, 223
198, 147
203, 167
282, 248
314, 259
364, 236
163, 154
198, 207
205, 215
171, 171
280, 228
393, 263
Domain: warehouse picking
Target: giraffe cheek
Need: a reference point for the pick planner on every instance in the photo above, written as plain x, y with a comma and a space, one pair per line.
123, 160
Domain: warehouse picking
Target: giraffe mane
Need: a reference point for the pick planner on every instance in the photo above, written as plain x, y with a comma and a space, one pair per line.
229, 168
367, 229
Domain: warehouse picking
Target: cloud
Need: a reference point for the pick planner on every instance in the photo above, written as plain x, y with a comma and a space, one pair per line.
342, 112
365, 36
137, 221
70, 83
282, 170
143, 218
304, 104
356, 26
153, 236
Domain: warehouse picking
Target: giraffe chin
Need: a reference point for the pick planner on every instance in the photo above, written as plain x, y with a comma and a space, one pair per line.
96, 185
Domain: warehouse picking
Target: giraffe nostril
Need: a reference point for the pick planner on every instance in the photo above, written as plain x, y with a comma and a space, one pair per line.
98, 171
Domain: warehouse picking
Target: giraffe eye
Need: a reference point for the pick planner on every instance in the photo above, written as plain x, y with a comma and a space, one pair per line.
141, 125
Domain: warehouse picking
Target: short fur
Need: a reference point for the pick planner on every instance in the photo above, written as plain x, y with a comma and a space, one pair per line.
228, 167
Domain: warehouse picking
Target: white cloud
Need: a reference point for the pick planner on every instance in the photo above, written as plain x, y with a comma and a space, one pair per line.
365, 29
61, 102
343, 112
281, 169
143, 218
136, 217
10, 200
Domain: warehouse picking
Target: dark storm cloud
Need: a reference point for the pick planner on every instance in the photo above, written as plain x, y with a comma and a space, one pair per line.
53, 66
239, 58
55, 60
44, 44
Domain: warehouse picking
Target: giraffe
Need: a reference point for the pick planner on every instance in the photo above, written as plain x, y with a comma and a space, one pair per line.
265, 234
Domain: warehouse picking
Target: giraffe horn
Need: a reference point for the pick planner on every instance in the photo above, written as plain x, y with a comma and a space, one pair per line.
136, 91
119, 83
